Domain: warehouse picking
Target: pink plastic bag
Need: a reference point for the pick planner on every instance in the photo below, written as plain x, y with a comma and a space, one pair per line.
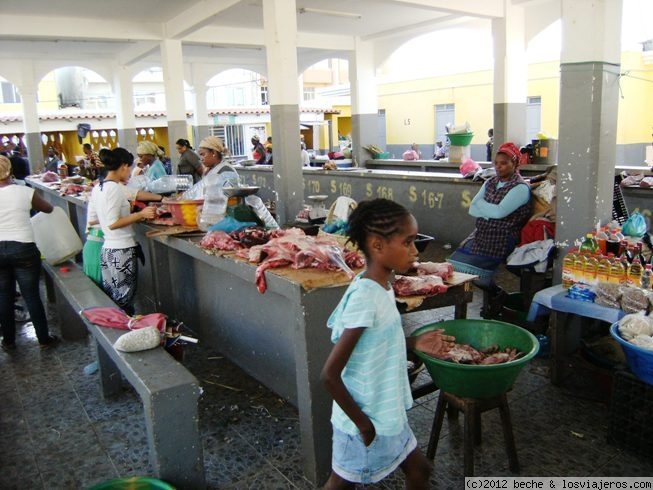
469, 166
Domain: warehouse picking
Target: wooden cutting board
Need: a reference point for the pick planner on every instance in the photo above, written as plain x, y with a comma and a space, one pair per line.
313, 278
171, 230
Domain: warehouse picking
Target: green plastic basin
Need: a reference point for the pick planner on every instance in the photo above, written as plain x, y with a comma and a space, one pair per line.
473, 381
133, 483
460, 139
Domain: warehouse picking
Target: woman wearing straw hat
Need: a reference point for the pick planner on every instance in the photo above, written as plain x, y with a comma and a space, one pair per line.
211, 151
149, 153
501, 208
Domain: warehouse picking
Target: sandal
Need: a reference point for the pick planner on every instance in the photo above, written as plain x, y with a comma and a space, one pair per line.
52, 340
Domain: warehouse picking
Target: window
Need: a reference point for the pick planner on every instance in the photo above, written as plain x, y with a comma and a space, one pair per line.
444, 114
144, 99
97, 102
9, 93
533, 117
232, 136
309, 93
264, 95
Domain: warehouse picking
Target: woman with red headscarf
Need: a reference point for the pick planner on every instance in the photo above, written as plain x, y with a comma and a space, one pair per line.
501, 208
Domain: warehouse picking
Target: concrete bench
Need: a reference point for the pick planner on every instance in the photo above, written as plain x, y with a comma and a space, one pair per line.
168, 391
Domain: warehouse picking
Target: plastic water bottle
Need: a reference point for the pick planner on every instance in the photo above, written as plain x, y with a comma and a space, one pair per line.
257, 204
635, 273
647, 277
589, 245
603, 270
568, 268
617, 271
590, 269
602, 239
579, 267
214, 208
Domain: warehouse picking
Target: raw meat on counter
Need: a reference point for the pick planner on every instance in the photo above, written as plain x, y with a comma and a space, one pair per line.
279, 248
251, 236
163, 216
50, 177
441, 269
298, 250
71, 189
242, 239
418, 285
219, 240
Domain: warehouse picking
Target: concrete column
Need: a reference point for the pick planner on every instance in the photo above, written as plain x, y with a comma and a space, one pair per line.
364, 101
28, 90
510, 77
125, 118
173, 80
201, 123
590, 63
281, 52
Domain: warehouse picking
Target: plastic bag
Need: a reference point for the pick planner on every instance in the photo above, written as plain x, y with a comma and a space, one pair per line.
635, 324
138, 340
634, 299
634, 226
257, 204
230, 224
468, 167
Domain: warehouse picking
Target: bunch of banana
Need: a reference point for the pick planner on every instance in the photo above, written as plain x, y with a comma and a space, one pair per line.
373, 149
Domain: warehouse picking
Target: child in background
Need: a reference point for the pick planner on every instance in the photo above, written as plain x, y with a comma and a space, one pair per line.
366, 372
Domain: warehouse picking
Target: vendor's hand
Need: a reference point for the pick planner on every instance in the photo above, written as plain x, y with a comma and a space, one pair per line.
368, 433
434, 343
147, 213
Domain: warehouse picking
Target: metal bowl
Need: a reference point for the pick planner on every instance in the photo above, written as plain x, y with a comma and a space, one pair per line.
240, 191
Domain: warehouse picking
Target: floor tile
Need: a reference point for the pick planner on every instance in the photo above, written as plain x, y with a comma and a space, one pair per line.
58, 432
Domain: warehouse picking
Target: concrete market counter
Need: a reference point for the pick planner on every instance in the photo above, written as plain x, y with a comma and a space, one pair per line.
280, 337
439, 200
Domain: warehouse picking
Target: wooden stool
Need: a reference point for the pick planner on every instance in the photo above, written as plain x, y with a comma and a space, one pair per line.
472, 408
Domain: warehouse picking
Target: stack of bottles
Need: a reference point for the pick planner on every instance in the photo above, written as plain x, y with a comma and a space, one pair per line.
594, 262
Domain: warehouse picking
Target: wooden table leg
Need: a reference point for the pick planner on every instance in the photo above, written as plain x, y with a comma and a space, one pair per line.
508, 436
557, 323
460, 311
471, 417
438, 419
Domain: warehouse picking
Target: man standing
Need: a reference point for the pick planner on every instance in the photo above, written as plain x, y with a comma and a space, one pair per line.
489, 145
51, 161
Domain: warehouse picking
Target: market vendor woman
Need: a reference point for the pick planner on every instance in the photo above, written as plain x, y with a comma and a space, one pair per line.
501, 208
110, 208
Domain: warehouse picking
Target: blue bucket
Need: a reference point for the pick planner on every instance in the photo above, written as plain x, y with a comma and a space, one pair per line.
640, 361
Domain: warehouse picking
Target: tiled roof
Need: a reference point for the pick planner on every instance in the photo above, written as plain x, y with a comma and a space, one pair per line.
235, 111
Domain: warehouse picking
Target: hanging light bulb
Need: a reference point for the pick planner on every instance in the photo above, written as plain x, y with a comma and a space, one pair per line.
44, 139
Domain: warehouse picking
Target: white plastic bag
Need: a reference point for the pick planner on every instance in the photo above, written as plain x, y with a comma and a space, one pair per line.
138, 340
